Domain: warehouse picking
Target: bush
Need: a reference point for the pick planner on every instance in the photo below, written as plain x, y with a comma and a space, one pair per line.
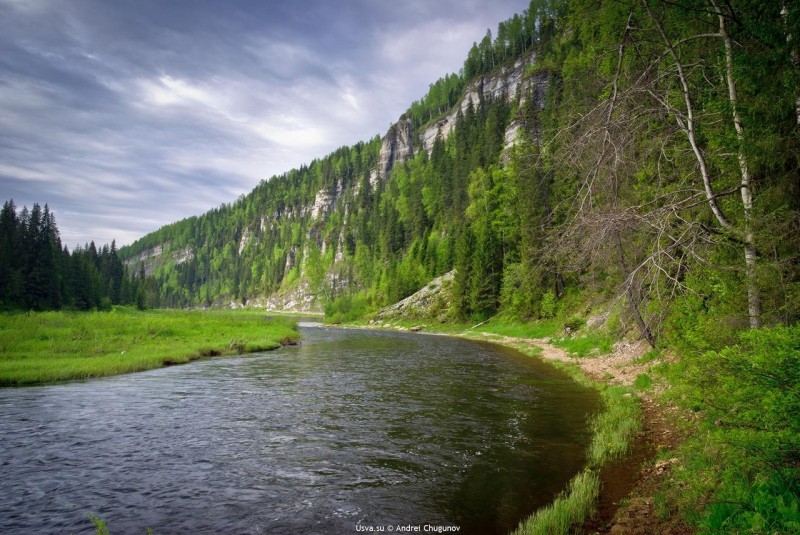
348, 307
750, 408
574, 323
642, 382
548, 305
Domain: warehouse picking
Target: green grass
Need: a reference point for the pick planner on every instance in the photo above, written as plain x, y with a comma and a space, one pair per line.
572, 507
587, 345
538, 329
60, 346
643, 382
616, 426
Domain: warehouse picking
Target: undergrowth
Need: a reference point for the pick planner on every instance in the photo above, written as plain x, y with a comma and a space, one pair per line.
740, 470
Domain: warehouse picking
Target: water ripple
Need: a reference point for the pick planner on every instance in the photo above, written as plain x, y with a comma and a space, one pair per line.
350, 427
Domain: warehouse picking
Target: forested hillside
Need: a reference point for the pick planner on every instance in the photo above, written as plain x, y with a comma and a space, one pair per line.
640, 158
375, 220
655, 156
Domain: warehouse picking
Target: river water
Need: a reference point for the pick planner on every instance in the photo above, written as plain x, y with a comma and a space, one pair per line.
350, 430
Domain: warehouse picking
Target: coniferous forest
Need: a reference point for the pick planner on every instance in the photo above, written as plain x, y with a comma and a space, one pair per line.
645, 163
38, 273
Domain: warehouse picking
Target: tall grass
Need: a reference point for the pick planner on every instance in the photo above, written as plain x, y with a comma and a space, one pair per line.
46, 347
613, 429
572, 507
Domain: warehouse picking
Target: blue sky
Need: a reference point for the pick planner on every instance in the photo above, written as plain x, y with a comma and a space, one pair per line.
125, 115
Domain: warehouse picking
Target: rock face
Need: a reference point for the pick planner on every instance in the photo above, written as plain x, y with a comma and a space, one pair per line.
397, 146
430, 302
156, 256
509, 81
326, 200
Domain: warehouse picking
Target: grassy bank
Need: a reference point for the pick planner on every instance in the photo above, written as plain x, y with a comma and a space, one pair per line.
59, 346
613, 428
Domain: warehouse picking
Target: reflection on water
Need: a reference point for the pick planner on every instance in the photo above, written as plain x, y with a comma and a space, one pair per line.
350, 427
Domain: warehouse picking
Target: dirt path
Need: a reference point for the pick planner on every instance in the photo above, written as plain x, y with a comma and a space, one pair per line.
627, 503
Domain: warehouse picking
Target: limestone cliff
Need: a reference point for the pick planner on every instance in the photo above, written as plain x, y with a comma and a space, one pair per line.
510, 81
323, 216
397, 146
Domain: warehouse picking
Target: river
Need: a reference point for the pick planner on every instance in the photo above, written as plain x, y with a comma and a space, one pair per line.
349, 430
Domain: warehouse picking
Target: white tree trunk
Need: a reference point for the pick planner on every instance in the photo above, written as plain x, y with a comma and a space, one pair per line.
750, 251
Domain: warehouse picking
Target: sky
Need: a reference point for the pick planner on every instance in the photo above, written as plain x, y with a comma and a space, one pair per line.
127, 115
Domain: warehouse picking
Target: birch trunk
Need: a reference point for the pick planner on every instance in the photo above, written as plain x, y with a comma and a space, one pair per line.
750, 251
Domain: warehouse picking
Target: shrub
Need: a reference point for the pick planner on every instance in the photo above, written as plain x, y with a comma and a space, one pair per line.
642, 382
750, 408
348, 307
574, 323
548, 305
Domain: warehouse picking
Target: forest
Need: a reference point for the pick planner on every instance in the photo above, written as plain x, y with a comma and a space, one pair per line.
659, 173
38, 273
661, 163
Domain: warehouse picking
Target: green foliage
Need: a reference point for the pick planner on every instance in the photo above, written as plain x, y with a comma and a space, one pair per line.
746, 458
744, 506
346, 308
615, 427
99, 526
753, 391
37, 273
548, 304
643, 382
574, 323
586, 345
573, 506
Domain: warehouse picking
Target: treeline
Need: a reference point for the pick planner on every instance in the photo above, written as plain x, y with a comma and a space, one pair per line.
517, 36
38, 273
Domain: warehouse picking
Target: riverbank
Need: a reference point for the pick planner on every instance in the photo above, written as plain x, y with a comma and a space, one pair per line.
617, 493
46, 347
630, 477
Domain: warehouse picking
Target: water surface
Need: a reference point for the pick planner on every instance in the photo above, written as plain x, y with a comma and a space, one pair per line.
350, 428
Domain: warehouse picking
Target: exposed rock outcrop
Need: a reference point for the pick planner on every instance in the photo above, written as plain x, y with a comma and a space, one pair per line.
509, 81
326, 200
156, 256
431, 302
397, 146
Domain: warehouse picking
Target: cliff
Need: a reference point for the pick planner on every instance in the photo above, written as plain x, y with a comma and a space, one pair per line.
268, 243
